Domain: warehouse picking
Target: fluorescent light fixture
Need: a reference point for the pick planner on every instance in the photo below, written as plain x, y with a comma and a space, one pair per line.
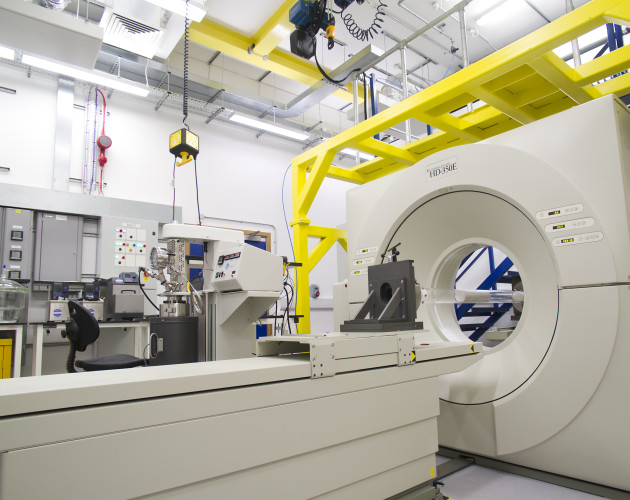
269, 127
88, 76
353, 152
179, 7
499, 14
7, 53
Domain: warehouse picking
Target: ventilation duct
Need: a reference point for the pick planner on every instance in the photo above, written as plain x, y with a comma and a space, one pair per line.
24, 26
55, 4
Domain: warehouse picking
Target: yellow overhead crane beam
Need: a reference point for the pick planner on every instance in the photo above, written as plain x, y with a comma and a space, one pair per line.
519, 84
217, 37
276, 28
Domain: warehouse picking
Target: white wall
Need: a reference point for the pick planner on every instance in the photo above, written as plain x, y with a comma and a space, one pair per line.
240, 176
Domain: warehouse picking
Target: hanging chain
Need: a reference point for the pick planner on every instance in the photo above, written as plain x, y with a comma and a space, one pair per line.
185, 100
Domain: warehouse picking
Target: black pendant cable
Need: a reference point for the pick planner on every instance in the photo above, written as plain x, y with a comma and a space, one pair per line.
185, 101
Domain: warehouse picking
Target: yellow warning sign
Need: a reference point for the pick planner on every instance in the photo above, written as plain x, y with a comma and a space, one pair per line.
413, 356
472, 347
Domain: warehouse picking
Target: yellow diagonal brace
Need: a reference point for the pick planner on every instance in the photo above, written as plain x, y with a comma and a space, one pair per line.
275, 29
326, 232
384, 150
555, 70
313, 182
318, 252
503, 105
217, 37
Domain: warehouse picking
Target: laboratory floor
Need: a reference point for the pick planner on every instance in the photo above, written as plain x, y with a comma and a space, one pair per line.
481, 483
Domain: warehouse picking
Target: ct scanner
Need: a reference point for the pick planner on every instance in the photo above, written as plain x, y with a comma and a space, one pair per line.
553, 195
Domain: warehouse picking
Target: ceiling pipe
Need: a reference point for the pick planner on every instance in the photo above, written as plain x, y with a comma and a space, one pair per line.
415, 14
415, 51
537, 10
412, 29
408, 40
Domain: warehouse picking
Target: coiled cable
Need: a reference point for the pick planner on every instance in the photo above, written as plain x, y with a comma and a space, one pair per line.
362, 34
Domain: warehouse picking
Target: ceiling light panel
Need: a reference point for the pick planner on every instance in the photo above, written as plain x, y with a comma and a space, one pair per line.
7, 53
269, 127
87, 76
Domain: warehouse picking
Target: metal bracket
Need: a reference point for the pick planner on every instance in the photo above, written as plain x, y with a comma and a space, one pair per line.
322, 359
406, 354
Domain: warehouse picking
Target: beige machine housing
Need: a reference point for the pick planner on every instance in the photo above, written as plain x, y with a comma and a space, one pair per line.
554, 196
269, 427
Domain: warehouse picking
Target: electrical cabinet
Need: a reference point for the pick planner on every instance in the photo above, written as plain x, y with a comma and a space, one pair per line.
58, 247
17, 242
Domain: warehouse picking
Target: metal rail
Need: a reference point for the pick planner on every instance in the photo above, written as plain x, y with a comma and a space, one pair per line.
519, 84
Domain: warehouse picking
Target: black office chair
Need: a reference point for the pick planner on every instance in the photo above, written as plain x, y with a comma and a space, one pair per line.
82, 329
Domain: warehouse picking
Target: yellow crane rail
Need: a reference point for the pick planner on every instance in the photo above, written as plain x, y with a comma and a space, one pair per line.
521, 83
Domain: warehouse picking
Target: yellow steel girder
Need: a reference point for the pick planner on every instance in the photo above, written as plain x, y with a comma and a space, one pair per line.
518, 84
275, 29
217, 37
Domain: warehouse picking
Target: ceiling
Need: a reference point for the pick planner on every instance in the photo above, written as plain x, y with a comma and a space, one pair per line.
490, 25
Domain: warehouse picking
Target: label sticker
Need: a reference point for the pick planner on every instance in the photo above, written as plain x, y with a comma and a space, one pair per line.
57, 313
442, 169
367, 261
367, 251
61, 217
577, 239
559, 212
570, 224
17, 227
359, 271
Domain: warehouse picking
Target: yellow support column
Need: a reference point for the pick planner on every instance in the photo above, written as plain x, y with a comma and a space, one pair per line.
300, 246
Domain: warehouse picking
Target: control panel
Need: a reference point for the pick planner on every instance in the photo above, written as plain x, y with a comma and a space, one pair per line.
243, 267
125, 244
227, 265
17, 242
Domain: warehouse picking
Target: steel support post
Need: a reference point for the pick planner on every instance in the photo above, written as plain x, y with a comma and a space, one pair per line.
403, 67
355, 107
577, 60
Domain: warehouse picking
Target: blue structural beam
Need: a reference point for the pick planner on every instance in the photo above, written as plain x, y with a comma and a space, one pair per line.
487, 284
471, 264
490, 322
